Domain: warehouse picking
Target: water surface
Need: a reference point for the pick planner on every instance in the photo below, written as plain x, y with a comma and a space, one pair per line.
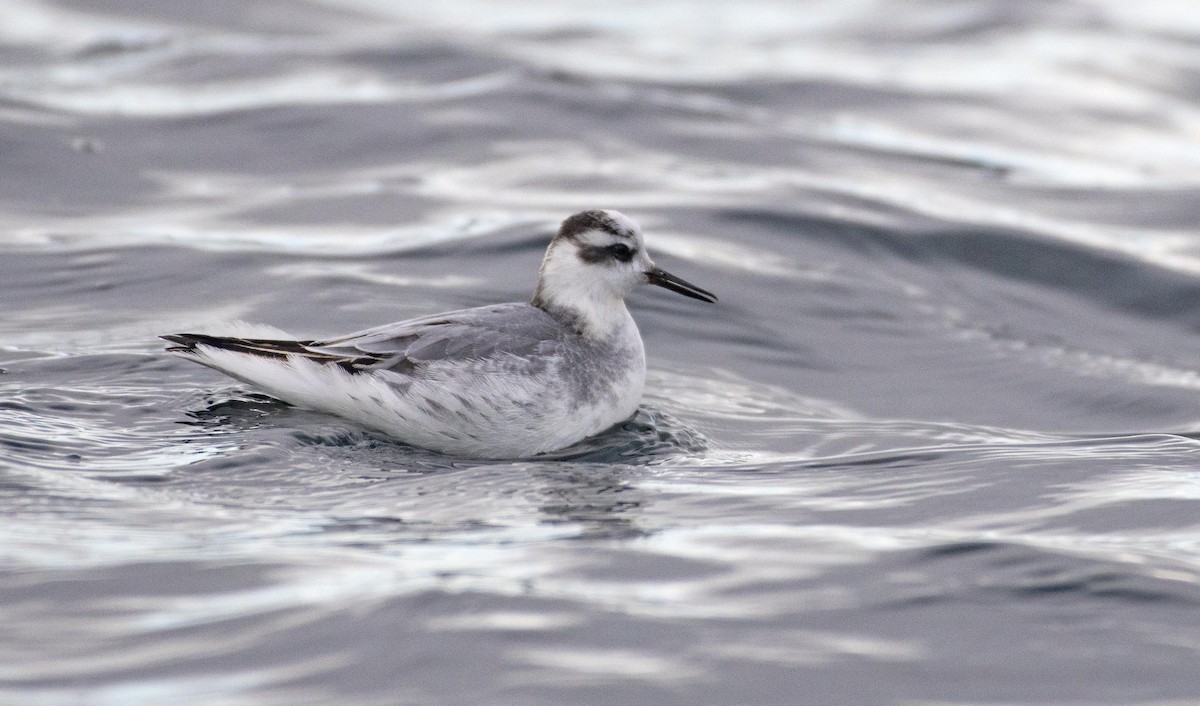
936, 445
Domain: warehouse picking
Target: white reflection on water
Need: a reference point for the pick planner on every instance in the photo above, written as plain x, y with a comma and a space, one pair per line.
315, 87
363, 272
1144, 483
798, 647
42, 24
576, 666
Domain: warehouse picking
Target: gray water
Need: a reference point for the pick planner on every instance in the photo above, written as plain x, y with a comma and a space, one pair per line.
937, 444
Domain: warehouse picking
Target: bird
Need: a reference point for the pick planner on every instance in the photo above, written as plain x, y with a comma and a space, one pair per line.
502, 381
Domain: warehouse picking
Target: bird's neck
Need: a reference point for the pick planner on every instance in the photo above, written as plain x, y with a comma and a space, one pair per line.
597, 318
586, 303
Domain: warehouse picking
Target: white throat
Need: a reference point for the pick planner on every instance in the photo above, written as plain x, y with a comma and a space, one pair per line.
588, 293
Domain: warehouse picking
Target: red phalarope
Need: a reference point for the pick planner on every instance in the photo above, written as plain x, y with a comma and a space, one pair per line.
500, 381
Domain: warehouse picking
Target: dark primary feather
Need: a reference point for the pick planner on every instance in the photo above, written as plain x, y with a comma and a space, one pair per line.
267, 348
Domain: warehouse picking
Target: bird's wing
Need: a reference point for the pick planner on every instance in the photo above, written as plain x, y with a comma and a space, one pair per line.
467, 334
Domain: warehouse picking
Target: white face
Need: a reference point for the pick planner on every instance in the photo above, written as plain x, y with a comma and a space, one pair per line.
596, 259
596, 255
616, 258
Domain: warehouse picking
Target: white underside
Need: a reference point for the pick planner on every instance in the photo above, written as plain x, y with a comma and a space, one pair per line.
477, 408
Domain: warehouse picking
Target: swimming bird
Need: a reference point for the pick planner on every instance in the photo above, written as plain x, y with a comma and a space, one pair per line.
500, 381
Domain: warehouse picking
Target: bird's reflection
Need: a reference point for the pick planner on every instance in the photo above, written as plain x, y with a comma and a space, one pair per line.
591, 486
601, 501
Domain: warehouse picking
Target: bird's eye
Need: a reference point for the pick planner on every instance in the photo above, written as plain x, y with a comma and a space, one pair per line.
621, 251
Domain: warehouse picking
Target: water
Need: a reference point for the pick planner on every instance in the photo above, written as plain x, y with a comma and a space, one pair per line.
936, 445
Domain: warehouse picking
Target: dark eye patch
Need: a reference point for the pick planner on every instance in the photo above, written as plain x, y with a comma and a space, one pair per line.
621, 251
593, 254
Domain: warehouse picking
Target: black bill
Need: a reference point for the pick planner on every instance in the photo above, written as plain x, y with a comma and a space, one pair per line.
665, 279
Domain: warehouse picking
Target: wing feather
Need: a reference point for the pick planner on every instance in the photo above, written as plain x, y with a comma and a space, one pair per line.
403, 347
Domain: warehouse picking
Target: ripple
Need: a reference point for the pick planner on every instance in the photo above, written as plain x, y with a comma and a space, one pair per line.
942, 422
322, 87
1034, 574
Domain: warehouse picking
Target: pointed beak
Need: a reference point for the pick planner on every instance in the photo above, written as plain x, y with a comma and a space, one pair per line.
666, 280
